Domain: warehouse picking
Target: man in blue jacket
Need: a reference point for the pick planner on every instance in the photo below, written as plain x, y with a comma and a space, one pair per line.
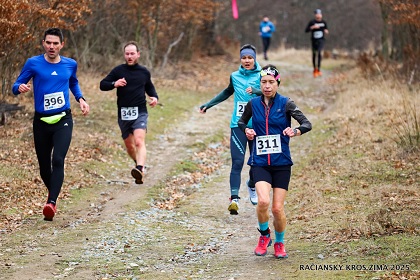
266, 30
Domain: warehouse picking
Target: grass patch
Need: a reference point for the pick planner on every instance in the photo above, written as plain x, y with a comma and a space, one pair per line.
408, 132
360, 259
171, 110
363, 203
186, 166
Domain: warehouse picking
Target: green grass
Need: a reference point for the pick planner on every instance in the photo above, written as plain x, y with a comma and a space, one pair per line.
172, 110
365, 196
337, 64
353, 259
408, 133
186, 166
168, 112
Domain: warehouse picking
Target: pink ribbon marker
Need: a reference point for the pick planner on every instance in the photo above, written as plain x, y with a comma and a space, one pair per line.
235, 10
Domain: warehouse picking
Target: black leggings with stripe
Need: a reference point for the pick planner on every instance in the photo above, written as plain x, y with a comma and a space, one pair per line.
238, 143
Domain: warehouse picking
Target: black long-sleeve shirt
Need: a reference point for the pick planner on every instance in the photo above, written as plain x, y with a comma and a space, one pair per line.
139, 84
319, 33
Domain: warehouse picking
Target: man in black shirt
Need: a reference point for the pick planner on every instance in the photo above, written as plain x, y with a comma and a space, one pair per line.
318, 28
133, 82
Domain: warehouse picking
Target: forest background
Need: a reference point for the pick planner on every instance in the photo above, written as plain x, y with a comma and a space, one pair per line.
181, 30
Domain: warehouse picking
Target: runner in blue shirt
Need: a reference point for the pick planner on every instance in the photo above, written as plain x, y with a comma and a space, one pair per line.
266, 32
270, 158
243, 85
53, 76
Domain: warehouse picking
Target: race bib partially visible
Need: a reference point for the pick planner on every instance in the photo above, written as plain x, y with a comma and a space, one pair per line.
266, 29
240, 108
318, 34
129, 113
268, 144
54, 100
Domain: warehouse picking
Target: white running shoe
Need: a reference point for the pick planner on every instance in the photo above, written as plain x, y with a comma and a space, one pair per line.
234, 206
253, 197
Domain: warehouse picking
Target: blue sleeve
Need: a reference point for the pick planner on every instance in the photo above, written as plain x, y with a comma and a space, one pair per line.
74, 84
273, 28
24, 77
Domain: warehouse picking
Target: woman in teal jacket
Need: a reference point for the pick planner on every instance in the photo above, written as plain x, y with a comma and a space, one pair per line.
244, 84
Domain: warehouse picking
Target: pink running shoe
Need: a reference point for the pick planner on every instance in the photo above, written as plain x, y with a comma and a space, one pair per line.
279, 250
263, 243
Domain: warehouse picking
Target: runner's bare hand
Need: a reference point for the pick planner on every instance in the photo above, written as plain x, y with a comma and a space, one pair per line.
203, 110
24, 88
153, 101
84, 107
250, 133
120, 83
288, 131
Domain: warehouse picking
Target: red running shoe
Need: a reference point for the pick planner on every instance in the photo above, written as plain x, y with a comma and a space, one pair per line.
279, 250
319, 73
263, 243
49, 211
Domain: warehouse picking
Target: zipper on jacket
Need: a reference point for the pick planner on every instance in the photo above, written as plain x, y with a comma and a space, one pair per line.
267, 113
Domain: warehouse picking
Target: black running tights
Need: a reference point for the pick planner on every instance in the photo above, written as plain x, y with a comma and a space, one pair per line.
52, 142
317, 46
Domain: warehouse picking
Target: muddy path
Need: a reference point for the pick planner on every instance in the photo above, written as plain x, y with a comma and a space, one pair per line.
112, 239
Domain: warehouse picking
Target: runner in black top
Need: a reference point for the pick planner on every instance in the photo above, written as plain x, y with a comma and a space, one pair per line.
318, 28
132, 81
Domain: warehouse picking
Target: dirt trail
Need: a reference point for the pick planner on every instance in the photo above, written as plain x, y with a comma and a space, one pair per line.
171, 147
63, 250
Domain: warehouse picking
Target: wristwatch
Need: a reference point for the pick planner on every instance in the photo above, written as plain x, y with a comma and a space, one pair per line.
295, 131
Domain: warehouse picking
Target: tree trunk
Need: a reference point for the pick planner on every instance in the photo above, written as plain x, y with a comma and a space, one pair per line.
385, 32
